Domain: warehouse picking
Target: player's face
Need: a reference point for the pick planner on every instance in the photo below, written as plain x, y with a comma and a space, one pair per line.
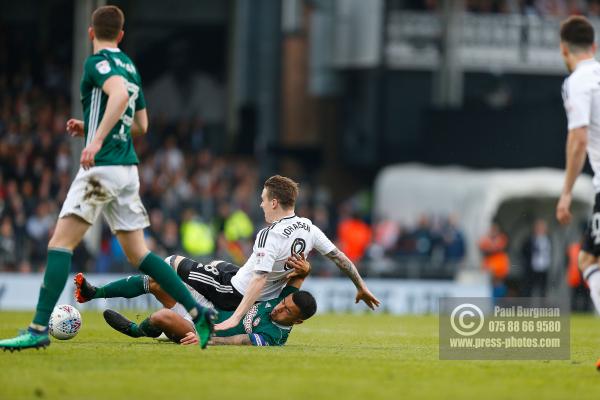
286, 312
266, 205
564, 52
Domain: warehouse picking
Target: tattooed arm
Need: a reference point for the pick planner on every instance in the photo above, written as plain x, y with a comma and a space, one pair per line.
347, 266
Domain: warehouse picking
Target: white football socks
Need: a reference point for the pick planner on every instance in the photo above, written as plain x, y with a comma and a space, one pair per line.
592, 277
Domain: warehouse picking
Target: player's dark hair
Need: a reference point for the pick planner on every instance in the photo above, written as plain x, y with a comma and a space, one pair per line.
577, 32
283, 189
107, 22
306, 303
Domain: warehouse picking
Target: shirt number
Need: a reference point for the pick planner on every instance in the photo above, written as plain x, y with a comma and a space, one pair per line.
128, 114
595, 228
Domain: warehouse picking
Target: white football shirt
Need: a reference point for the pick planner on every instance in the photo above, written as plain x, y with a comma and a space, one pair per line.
581, 96
272, 247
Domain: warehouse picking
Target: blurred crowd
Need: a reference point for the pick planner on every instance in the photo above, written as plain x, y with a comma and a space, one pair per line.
35, 161
536, 257
552, 8
200, 203
433, 247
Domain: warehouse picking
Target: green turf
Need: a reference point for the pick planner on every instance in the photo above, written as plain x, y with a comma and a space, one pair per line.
330, 357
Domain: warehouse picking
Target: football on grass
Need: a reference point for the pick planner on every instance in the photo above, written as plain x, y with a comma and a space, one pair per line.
65, 322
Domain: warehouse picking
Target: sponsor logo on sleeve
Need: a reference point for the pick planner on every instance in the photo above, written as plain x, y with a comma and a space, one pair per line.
249, 318
103, 67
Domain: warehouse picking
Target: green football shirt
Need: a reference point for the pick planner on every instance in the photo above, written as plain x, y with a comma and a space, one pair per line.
117, 148
257, 323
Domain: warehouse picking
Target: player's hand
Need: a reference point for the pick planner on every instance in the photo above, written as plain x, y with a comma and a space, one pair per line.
563, 212
190, 338
300, 264
227, 324
75, 127
88, 154
365, 295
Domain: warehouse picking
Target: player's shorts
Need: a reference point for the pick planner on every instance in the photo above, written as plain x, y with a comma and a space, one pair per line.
591, 237
112, 190
213, 281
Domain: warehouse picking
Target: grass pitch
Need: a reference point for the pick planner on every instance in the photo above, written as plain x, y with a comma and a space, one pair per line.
329, 357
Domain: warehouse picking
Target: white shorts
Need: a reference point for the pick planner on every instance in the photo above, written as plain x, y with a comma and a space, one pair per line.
112, 190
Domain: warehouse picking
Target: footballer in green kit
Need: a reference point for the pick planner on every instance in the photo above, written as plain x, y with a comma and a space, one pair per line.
117, 147
267, 323
107, 182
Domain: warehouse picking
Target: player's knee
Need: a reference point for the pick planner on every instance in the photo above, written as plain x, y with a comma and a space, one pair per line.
586, 260
160, 318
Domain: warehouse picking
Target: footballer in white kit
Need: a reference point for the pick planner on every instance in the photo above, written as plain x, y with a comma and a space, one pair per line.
265, 273
224, 284
581, 95
273, 246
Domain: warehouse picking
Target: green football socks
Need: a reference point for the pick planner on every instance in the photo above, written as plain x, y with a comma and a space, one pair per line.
55, 278
130, 287
168, 280
145, 328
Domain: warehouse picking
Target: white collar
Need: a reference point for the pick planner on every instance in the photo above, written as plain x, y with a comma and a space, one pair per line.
585, 62
286, 328
288, 217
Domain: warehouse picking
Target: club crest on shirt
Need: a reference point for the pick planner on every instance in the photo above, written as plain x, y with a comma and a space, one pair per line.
103, 67
256, 322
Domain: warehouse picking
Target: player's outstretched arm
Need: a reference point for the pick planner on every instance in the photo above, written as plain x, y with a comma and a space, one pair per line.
140, 123
118, 98
576, 152
256, 285
347, 266
236, 340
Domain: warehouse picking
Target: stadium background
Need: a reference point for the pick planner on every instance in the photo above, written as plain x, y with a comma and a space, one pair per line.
329, 92
412, 126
